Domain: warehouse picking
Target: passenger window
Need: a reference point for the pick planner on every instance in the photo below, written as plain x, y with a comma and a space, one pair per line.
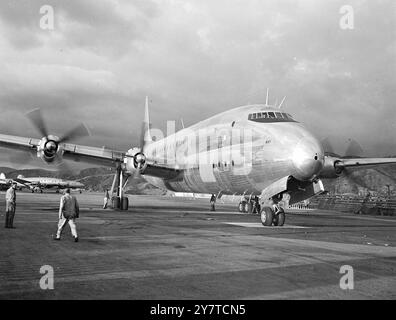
278, 115
254, 115
265, 115
271, 115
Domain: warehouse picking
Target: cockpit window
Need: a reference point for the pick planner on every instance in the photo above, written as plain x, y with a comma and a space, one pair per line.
270, 117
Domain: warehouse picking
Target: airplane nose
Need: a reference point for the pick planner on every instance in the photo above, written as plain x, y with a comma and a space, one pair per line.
308, 158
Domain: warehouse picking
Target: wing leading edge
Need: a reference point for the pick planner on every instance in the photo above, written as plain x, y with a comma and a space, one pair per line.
364, 162
88, 154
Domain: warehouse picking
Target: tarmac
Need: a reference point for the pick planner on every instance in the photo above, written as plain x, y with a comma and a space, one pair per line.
175, 248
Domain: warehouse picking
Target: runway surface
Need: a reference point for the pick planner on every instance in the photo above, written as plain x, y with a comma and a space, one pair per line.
174, 248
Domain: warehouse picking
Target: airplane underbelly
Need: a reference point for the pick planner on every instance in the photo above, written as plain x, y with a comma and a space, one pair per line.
247, 180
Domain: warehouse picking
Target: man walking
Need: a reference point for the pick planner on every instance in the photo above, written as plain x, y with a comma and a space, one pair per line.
68, 212
106, 199
10, 206
212, 202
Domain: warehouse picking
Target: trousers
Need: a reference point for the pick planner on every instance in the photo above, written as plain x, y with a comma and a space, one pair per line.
62, 223
10, 214
105, 202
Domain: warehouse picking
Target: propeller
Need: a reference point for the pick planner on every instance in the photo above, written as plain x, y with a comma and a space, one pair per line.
78, 132
49, 144
140, 157
36, 118
353, 150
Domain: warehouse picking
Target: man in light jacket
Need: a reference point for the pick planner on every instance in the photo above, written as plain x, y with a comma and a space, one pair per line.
10, 206
68, 213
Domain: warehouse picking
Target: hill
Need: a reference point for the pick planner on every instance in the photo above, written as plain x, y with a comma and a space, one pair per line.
97, 179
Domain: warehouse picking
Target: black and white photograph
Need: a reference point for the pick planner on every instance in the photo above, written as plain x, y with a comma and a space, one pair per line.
197, 154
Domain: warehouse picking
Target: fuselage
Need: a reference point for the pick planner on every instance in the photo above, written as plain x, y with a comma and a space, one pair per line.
240, 151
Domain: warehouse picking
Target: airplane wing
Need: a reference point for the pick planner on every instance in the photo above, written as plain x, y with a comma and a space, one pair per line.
88, 154
22, 181
364, 162
74, 152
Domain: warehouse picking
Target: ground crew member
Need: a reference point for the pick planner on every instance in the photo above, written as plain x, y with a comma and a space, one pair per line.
106, 199
10, 206
68, 212
212, 202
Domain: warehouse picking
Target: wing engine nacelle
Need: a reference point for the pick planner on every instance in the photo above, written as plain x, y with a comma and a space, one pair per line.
49, 150
331, 169
135, 160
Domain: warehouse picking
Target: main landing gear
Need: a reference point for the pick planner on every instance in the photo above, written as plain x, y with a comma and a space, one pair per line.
249, 206
274, 215
119, 201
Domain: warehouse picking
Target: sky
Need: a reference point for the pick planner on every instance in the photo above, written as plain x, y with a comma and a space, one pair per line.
195, 59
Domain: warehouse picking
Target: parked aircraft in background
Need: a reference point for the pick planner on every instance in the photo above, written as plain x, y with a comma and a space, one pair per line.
38, 184
254, 150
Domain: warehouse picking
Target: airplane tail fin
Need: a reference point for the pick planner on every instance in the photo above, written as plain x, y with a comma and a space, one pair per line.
145, 137
2, 176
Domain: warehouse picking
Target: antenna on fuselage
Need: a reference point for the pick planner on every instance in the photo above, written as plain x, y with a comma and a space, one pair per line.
266, 99
182, 123
280, 105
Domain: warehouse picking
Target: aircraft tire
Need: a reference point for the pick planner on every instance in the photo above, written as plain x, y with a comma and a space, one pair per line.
116, 203
279, 219
124, 203
267, 216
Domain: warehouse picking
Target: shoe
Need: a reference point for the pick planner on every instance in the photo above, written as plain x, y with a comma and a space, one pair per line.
56, 238
76, 239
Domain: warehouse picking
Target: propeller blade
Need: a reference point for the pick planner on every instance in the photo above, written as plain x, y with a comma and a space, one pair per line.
327, 147
78, 132
354, 149
36, 118
136, 174
142, 137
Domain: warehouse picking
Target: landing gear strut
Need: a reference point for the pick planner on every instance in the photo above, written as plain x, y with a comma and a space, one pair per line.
119, 200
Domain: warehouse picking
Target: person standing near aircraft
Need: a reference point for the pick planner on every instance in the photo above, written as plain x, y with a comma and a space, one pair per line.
106, 199
10, 206
212, 202
68, 213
